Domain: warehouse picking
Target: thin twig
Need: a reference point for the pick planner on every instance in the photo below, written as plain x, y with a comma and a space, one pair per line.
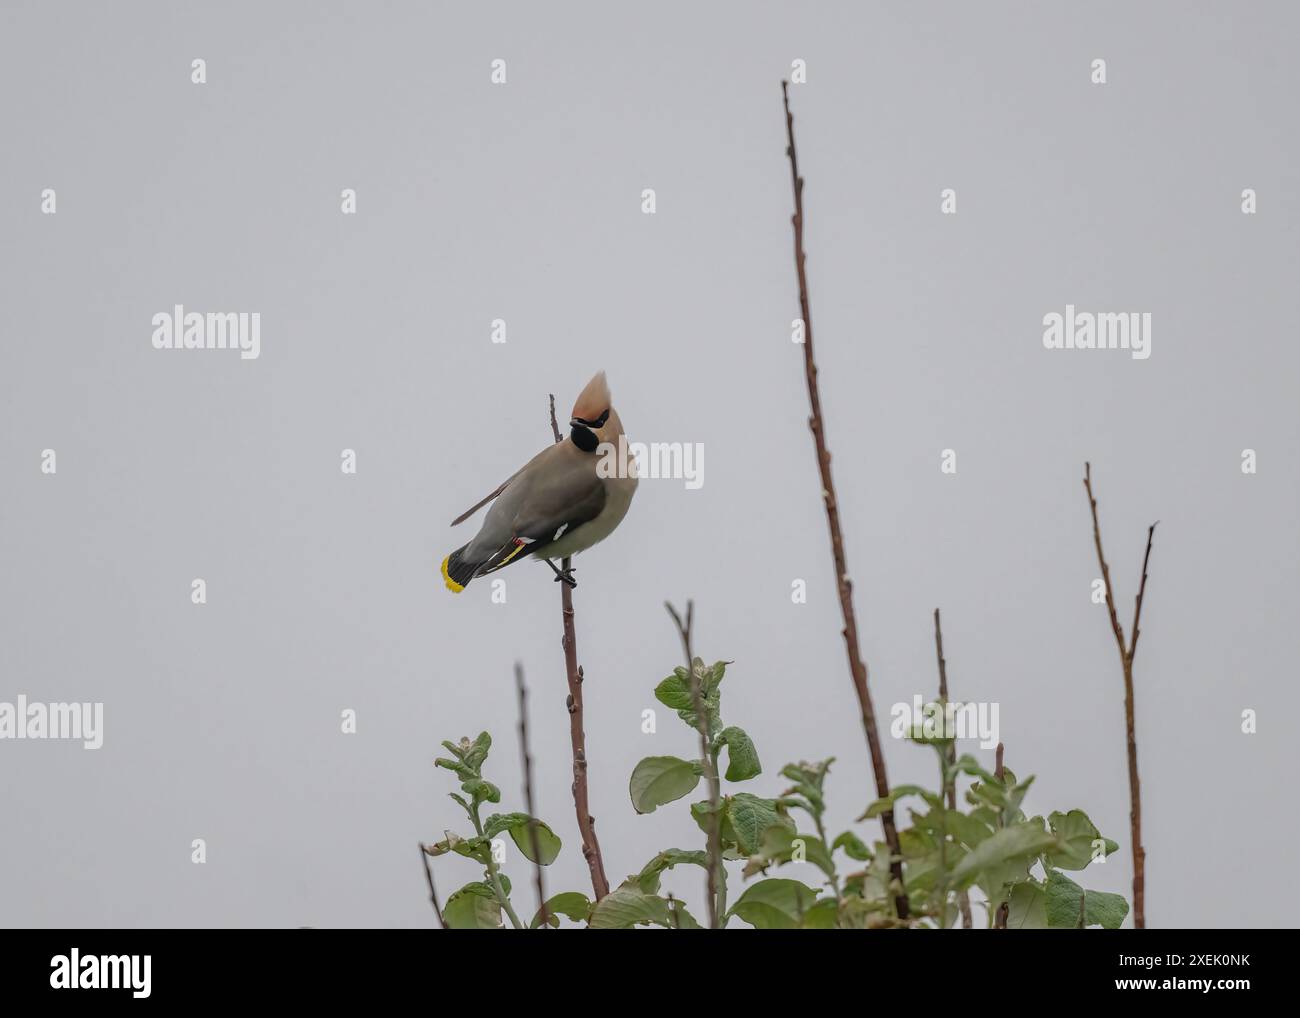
1142, 589
857, 666
433, 894
1004, 908
716, 877
577, 737
963, 898
1126, 654
522, 690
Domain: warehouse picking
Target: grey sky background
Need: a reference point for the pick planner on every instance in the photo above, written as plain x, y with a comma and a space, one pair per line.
522, 202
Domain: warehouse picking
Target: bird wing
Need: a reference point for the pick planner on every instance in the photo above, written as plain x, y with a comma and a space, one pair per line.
481, 503
544, 506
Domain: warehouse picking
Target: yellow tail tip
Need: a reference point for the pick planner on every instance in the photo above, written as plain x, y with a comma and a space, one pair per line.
452, 585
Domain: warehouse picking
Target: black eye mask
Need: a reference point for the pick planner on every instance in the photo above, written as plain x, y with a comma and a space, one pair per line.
599, 422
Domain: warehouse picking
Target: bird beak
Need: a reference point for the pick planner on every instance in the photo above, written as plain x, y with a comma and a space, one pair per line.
574, 422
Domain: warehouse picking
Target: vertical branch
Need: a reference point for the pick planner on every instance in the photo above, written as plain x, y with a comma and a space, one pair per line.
857, 666
528, 794
950, 784
1126, 654
1004, 908
716, 877
578, 738
428, 877
1142, 590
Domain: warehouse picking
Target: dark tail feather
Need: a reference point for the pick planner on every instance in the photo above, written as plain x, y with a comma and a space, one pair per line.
457, 571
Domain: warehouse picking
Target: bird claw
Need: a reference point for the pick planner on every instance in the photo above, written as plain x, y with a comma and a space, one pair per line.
562, 575
566, 576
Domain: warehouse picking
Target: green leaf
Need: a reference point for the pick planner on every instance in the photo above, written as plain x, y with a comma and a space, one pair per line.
748, 817
473, 907
931, 730
967, 764
1076, 835
985, 815
775, 904
548, 843
675, 692
679, 918
823, 915
853, 846
702, 812
779, 846
742, 757
1106, 910
460, 770
482, 791
871, 912
808, 779
1004, 797
499, 822
478, 751
1065, 898
569, 903
896, 793
1027, 907
660, 779
1015, 797
477, 848
914, 843
966, 829
629, 906
1016, 844
648, 879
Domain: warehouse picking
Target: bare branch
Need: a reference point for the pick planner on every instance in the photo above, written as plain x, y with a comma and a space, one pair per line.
1004, 908
716, 876
1126, 654
1105, 569
857, 666
428, 877
1142, 589
522, 691
950, 787
577, 737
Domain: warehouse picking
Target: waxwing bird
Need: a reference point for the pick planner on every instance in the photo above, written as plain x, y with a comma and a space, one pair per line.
556, 505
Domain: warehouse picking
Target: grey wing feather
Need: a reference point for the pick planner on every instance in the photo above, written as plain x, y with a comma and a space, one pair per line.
480, 504
536, 507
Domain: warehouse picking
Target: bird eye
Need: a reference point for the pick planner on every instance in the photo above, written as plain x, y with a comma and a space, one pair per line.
599, 422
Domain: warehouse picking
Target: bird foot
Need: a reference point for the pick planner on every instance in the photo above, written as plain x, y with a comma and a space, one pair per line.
566, 576
562, 575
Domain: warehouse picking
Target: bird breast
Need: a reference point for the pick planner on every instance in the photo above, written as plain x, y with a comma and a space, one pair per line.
618, 498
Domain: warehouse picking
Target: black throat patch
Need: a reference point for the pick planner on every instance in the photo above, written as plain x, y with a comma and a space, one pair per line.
584, 438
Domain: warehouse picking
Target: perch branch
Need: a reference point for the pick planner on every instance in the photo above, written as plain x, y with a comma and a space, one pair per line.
716, 876
857, 666
1126, 654
522, 690
578, 738
950, 785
